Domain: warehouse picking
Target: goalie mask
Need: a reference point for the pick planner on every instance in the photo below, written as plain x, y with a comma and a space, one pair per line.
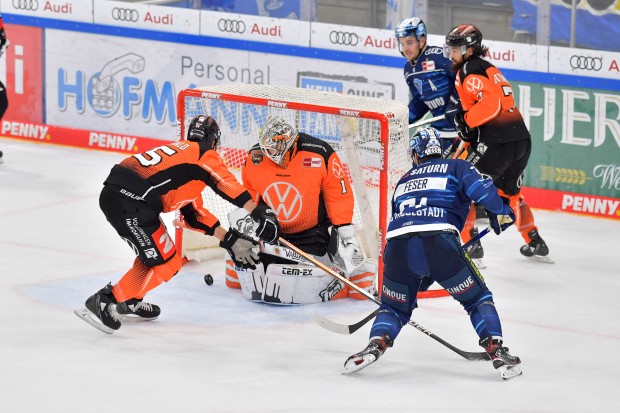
277, 140
425, 144
204, 129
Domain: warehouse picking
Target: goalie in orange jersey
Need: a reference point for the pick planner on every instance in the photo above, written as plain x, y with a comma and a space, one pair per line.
303, 180
499, 142
164, 179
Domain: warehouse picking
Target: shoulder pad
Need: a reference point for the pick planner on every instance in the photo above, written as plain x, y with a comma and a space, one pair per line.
475, 66
312, 144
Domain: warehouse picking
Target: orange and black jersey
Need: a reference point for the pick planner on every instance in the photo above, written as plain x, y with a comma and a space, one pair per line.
488, 100
312, 191
173, 176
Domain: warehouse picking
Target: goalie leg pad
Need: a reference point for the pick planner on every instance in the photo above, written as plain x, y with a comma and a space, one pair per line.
364, 277
249, 281
300, 284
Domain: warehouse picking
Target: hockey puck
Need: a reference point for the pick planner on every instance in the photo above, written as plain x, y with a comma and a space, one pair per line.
208, 279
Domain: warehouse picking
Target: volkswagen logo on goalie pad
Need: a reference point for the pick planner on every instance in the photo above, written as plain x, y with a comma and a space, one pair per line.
125, 15
344, 38
231, 26
31, 5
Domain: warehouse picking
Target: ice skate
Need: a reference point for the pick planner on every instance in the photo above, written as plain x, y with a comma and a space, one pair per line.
537, 248
100, 311
476, 252
138, 310
375, 349
508, 366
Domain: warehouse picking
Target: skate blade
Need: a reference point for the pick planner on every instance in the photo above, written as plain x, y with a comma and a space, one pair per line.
509, 373
479, 263
132, 318
87, 316
351, 367
540, 258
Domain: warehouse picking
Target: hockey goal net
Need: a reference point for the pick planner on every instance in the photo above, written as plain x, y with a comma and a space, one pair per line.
370, 136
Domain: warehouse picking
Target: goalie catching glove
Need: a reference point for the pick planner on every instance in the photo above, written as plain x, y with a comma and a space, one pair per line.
500, 222
240, 249
466, 133
344, 248
268, 227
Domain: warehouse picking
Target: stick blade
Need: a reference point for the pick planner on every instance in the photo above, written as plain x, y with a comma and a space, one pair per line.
330, 325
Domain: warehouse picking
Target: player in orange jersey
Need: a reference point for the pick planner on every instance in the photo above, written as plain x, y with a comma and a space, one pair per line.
303, 180
499, 142
164, 179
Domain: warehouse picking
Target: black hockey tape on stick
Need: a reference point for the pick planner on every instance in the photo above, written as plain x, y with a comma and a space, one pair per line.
465, 354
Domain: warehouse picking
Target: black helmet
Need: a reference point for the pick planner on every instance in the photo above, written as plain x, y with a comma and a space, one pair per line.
204, 129
466, 35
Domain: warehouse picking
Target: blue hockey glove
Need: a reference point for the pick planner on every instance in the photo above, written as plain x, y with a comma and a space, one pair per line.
502, 221
465, 132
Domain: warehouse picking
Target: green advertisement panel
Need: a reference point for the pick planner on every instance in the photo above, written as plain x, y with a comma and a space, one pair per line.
575, 138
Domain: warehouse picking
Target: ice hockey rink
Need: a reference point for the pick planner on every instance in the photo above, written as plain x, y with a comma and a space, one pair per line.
213, 351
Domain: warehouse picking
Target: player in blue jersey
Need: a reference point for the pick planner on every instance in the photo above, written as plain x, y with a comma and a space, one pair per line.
429, 207
430, 80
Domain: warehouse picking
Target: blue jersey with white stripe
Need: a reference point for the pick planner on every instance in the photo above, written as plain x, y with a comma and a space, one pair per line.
431, 83
437, 194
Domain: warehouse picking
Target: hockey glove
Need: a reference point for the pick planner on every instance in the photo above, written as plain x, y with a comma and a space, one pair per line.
502, 221
344, 248
239, 248
465, 132
268, 227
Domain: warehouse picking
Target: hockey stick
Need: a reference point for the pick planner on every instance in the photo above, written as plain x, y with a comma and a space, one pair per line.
472, 241
465, 354
352, 328
343, 328
426, 121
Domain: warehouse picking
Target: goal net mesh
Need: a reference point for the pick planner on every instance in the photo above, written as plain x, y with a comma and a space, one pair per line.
369, 135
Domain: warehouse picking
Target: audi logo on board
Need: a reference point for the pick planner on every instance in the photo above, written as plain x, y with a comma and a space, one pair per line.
231, 26
586, 62
125, 15
31, 5
344, 38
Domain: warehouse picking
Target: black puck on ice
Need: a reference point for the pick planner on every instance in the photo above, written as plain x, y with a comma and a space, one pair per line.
208, 279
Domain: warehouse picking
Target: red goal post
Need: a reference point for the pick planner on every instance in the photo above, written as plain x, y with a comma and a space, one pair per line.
370, 136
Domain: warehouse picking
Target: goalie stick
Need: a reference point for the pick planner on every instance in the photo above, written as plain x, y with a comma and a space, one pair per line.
465, 354
352, 328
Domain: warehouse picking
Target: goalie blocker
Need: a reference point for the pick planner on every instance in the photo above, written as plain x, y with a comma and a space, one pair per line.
285, 277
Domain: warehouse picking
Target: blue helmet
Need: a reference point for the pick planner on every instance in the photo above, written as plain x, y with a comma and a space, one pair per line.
425, 143
413, 26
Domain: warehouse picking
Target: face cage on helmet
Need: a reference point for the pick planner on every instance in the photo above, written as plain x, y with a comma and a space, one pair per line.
428, 134
278, 148
446, 50
216, 138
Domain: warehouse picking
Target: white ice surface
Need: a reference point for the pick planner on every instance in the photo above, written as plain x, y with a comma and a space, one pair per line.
212, 351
